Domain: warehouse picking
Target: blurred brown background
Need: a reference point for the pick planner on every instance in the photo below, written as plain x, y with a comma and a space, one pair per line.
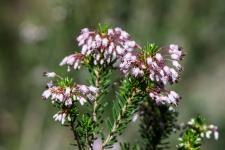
35, 35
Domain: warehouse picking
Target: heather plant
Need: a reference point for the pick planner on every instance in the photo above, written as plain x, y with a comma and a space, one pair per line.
146, 73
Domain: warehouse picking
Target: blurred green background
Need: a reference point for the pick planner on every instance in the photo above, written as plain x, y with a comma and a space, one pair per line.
35, 35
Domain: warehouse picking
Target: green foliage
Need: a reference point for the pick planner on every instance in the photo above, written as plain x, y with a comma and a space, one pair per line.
157, 123
64, 82
190, 140
100, 77
149, 49
198, 124
87, 126
128, 146
194, 133
84, 129
103, 28
124, 107
74, 111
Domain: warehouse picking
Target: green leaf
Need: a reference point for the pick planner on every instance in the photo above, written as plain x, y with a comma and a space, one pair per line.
103, 28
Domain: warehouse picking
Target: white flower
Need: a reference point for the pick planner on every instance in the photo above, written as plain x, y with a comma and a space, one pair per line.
110, 32
98, 56
105, 42
93, 89
174, 74
124, 34
61, 117
76, 65
81, 99
73, 60
101, 61
208, 134
167, 70
175, 57
98, 38
119, 50
157, 78
164, 80
84, 30
63, 62
151, 95
161, 72
159, 57
171, 109
84, 49
202, 135
70, 60
118, 29
174, 94
46, 94
90, 97
135, 117
155, 65
176, 64
174, 47
68, 102
111, 47
172, 99
59, 97
50, 74
149, 61
67, 92
83, 89
216, 135
152, 77
136, 71
191, 122
130, 43
93, 45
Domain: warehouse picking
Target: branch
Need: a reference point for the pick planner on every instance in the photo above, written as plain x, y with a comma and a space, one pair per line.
119, 120
97, 84
76, 137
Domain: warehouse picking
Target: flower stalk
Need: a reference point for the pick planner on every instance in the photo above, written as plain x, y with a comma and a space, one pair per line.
95, 105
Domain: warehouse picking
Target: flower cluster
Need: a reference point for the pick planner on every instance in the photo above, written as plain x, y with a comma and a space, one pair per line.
127, 65
164, 97
61, 117
207, 130
73, 61
82, 93
158, 69
105, 48
67, 95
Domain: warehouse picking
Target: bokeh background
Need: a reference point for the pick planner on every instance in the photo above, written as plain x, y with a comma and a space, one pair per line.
35, 35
